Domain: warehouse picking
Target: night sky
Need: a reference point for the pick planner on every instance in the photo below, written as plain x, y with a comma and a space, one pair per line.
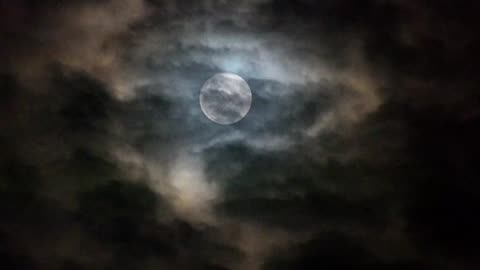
360, 150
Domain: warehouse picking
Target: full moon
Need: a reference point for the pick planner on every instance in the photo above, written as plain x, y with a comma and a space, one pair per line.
225, 98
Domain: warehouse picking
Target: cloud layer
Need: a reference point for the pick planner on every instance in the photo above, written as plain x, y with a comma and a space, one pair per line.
359, 149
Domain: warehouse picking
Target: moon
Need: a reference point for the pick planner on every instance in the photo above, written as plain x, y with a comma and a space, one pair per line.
225, 98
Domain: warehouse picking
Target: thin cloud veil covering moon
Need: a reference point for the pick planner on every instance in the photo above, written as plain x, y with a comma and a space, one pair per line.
239, 135
225, 98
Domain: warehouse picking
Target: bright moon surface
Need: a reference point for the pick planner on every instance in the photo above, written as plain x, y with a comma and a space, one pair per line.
225, 98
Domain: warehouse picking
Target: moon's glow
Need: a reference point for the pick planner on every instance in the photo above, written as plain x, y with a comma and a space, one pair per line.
225, 98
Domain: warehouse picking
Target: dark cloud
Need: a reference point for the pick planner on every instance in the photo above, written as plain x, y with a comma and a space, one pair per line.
336, 250
443, 200
75, 207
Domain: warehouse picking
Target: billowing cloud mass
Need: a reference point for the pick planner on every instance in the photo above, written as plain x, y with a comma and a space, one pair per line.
359, 149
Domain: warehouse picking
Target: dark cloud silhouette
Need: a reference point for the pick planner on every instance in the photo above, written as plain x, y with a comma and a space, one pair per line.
335, 250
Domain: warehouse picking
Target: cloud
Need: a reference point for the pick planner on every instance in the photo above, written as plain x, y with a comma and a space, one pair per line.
184, 184
81, 36
284, 74
359, 148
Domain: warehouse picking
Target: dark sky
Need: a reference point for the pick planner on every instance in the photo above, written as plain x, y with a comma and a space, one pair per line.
360, 149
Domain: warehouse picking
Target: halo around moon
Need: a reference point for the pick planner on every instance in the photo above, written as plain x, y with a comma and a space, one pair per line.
225, 98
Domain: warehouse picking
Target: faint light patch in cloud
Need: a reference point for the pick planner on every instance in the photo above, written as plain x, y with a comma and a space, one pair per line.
257, 142
219, 140
132, 162
256, 241
353, 108
257, 56
184, 184
270, 143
